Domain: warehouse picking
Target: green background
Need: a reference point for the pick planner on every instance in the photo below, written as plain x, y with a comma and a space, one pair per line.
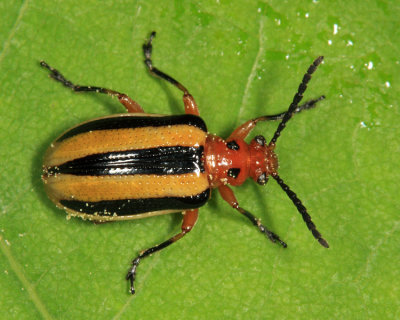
240, 59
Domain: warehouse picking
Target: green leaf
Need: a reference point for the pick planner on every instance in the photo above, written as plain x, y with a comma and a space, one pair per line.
240, 60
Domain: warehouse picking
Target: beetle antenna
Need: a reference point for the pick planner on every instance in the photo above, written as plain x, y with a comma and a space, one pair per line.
303, 211
297, 98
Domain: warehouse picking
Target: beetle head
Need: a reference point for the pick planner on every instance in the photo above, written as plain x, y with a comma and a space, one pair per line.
263, 160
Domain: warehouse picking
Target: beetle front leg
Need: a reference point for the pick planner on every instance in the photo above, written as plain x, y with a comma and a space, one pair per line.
228, 195
189, 220
130, 105
244, 130
188, 100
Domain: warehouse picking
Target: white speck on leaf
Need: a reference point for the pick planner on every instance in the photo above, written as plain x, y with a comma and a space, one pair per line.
369, 65
335, 28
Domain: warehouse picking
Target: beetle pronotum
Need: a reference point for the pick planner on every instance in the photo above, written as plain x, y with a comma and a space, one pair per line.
136, 165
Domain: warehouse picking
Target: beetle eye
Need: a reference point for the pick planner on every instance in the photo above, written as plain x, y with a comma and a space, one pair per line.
232, 145
233, 172
260, 140
262, 179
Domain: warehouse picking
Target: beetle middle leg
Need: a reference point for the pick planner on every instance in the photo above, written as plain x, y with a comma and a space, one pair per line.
188, 100
189, 220
228, 195
130, 105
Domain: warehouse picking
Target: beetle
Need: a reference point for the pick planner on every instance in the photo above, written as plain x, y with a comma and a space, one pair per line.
137, 165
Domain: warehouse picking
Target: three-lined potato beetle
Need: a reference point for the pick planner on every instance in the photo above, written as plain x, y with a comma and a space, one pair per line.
136, 165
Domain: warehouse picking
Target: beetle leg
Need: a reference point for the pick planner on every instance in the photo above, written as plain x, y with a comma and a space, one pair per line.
228, 195
243, 130
130, 105
189, 220
188, 100
305, 106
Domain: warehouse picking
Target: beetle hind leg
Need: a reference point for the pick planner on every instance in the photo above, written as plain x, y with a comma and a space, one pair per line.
188, 100
130, 105
189, 220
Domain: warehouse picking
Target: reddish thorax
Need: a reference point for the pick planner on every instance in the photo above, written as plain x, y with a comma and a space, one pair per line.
252, 159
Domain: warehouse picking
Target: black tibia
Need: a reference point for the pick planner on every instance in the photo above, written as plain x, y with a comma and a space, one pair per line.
147, 50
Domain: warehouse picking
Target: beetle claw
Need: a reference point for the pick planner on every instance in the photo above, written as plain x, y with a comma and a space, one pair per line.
131, 277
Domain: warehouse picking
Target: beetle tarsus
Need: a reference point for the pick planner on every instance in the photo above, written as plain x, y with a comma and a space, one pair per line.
131, 276
271, 236
131, 105
189, 220
309, 104
188, 100
147, 49
56, 75
305, 106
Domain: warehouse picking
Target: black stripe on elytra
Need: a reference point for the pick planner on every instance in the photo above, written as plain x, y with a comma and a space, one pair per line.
131, 122
160, 161
136, 206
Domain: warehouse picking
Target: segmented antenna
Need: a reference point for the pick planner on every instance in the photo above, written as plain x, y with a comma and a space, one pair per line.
303, 211
297, 98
